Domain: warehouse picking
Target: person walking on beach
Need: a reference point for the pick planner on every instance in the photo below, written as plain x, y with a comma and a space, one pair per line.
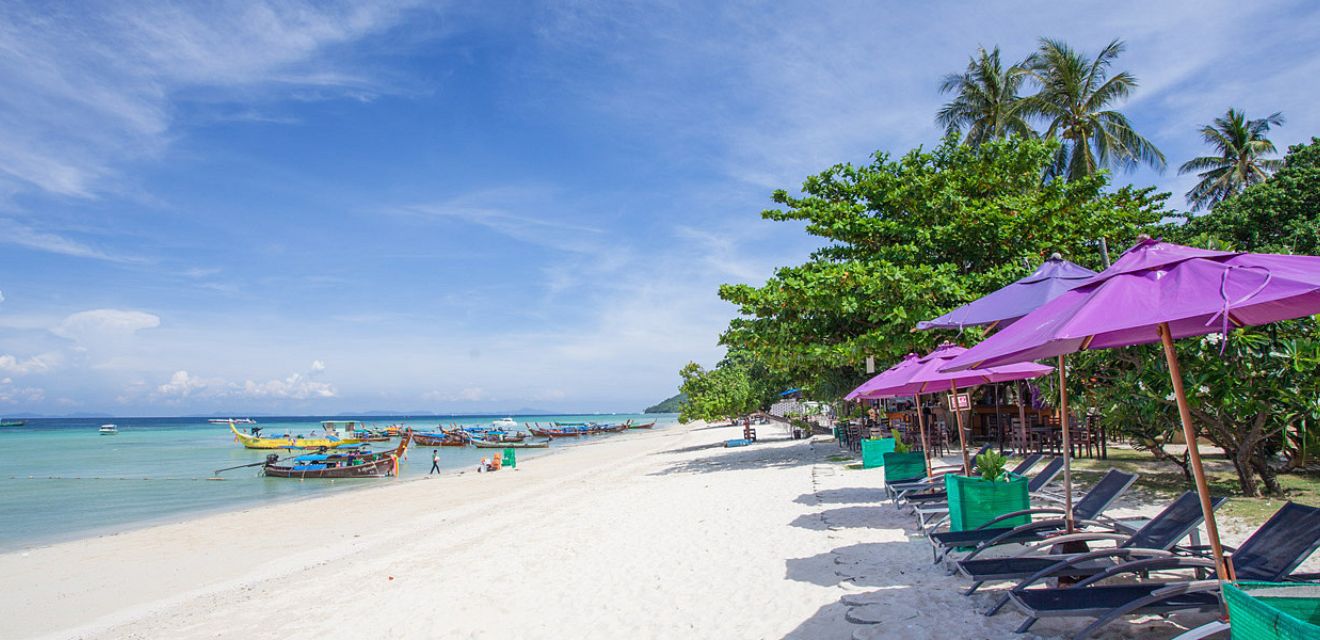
435, 462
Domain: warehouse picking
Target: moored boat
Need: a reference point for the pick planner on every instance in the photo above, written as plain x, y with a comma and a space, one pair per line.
336, 464
647, 425
439, 439
483, 444
12, 423
233, 420
109, 430
557, 432
255, 441
504, 423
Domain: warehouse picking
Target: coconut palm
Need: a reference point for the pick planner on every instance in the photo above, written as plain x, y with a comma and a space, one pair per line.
986, 100
1075, 97
1240, 143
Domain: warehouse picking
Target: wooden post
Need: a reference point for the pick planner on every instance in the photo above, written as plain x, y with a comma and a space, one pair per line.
921, 425
1067, 448
962, 437
1194, 452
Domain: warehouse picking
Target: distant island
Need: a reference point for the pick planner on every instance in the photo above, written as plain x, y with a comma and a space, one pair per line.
669, 405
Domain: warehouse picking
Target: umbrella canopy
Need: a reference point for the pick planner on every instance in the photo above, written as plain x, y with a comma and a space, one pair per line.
883, 379
1159, 291
1051, 278
924, 375
1194, 291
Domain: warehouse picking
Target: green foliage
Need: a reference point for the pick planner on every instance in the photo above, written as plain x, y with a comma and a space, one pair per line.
672, 404
723, 392
1280, 215
899, 445
908, 240
1241, 145
991, 465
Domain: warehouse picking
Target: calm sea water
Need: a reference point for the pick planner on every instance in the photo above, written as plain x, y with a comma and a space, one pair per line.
60, 479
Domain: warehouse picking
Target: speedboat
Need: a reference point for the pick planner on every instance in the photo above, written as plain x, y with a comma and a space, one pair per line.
109, 430
504, 423
233, 420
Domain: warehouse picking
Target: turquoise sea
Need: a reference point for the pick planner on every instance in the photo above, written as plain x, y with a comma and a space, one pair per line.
60, 479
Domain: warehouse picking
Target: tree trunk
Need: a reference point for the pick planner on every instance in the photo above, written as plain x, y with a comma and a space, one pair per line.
1246, 474
1267, 475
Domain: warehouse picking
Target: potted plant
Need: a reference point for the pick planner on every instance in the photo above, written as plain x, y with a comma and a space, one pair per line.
974, 501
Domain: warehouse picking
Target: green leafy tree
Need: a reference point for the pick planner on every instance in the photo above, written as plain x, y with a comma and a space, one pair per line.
720, 393
1076, 97
909, 239
985, 100
1240, 145
1279, 215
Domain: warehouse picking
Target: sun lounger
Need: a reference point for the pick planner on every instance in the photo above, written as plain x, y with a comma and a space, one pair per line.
898, 486
1086, 511
1035, 489
1271, 554
1156, 539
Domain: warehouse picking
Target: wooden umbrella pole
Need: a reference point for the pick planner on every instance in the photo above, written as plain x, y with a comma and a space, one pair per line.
1193, 451
921, 427
962, 438
1067, 448
1022, 416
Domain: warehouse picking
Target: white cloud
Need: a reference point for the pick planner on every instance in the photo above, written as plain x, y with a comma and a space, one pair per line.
18, 395
116, 70
20, 234
99, 324
524, 213
36, 364
468, 394
182, 384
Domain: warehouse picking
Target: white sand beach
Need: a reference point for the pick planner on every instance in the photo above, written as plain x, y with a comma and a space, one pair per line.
662, 534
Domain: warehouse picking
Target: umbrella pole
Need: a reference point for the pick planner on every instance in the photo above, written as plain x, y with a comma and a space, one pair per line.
921, 426
962, 437
1022, 416
1067, 444
1194, 452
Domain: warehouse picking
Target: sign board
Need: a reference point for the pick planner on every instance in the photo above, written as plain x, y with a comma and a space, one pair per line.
960, 402
870, 364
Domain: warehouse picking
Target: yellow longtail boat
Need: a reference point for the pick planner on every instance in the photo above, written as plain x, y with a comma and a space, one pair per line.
257, 442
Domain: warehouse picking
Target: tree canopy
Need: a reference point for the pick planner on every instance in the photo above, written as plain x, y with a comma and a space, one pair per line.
1241, 146
910, 238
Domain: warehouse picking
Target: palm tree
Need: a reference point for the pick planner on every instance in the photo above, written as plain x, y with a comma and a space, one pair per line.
1075, 96
1240, 143
986, 100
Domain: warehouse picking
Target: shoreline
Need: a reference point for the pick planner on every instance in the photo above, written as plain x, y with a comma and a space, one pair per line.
776, 540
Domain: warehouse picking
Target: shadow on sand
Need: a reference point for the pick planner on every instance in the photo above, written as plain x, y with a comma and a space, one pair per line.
752, 457
850, 495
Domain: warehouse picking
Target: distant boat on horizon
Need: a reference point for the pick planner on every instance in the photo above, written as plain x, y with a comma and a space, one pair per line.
109, 430
233, 420
12, 423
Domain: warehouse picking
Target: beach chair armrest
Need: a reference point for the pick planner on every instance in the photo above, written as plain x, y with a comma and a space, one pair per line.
1063, 564
1016, 514
1303, 577
1035, 548
1171, 591
1149, 564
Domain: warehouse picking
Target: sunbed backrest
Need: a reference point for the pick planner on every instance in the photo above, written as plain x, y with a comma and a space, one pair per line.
1103, 494
1172, 524
1286, 540
1046, 475
1026, 464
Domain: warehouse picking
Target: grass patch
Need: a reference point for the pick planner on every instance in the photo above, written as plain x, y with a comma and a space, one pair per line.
856, 466
1163, 481
839, 458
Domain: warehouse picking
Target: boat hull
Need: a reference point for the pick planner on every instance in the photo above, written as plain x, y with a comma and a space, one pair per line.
381, 464
482, 444
439, 441
257, 442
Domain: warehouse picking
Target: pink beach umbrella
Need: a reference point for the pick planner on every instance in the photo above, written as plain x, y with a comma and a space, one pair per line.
1159, 291
924, 375
883, 379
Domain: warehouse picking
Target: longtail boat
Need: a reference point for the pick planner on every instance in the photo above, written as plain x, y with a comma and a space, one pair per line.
482, 444
640, 426
439, 439
259, 442
562, 432
614, 428
345, 464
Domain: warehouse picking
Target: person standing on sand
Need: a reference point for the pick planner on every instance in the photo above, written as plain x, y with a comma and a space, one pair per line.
435, 462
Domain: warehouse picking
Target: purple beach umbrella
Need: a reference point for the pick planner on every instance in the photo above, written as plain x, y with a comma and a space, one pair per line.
1001, 308
1159, 291
923, 375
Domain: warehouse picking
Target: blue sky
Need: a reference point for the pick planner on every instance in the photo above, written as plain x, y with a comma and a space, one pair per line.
291, 207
